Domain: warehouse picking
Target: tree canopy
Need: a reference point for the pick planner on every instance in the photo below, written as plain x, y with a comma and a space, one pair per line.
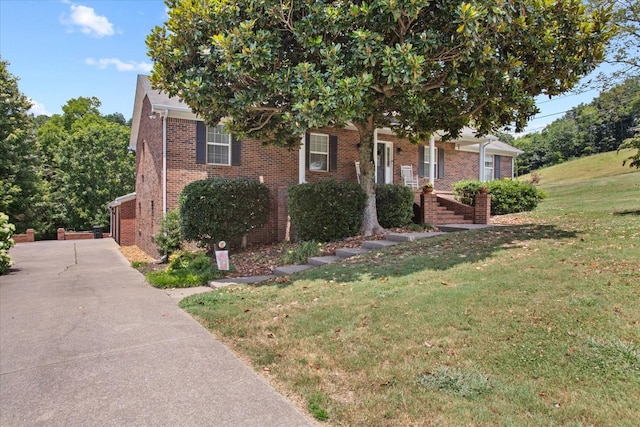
278, 68
19, 179
600, 126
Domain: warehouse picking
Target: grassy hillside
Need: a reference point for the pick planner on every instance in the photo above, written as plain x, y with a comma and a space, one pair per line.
531, 324
585, 169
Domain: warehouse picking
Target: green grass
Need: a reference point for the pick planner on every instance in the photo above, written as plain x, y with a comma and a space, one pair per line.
531, 324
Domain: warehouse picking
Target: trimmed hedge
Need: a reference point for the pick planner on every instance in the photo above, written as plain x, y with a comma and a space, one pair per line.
222, 209
394, 204
507, 196
326, 210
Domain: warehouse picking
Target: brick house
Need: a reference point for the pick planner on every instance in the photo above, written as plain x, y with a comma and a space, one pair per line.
173, 148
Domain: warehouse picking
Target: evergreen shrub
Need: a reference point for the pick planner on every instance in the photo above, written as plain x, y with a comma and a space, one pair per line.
222, 209
394, 204
326, 210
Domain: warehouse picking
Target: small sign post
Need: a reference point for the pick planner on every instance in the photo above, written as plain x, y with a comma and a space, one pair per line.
222, 256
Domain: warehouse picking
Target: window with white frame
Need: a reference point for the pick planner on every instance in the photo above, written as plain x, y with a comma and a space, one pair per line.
427, 162
218, 146
488, 167
318, 152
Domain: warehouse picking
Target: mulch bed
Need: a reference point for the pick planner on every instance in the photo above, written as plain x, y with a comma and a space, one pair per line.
254, 260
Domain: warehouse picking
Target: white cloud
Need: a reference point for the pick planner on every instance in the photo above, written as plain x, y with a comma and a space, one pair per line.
38, 109
89, 22
103, 63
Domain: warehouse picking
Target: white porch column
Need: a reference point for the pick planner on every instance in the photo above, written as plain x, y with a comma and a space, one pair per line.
432, 159
482, 145
302, 161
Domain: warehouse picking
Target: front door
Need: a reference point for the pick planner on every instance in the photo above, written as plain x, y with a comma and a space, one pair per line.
384, 163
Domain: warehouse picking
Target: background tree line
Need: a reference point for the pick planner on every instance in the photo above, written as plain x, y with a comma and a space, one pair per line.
60, 171
600, 126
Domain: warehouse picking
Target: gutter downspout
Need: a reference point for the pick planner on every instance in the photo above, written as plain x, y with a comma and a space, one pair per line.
164, 162
375, 155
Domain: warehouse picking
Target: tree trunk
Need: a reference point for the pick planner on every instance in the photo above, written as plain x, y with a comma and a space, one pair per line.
370, 225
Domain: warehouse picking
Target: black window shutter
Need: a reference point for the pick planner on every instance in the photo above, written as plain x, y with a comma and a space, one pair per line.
333, 153
236, 148
441, 163
421, 172
201, 143
307, 147
496, 167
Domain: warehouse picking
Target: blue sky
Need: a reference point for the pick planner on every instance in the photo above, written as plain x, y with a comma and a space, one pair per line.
62, 49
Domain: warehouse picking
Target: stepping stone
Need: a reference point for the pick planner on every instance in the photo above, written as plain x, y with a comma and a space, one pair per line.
410, 237
349, 252
238, 281
286, 270
322, 260
377, 244
461, 227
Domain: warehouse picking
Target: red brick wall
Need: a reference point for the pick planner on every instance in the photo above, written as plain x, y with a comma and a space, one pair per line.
128, 223
148, 181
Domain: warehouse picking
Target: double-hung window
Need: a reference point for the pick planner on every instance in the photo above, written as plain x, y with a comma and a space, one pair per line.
318, 152
427, 162
218, 146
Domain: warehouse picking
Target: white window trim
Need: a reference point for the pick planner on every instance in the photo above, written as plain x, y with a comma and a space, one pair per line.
427, 163
219, 144
325, 136
489, 172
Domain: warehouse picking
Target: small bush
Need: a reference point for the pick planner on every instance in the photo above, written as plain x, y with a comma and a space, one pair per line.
507, 196
326, 210
186, 269
168, 240
465, 191
222, 209
300, 252
394, 204
6, 242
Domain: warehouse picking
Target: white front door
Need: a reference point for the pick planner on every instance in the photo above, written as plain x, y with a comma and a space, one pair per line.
384, 162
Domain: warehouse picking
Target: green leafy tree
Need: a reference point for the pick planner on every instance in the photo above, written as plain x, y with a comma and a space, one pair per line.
20, 185
623, 52
86, 163
278, 68
634, 159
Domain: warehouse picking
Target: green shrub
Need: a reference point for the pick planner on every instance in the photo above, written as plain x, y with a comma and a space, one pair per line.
186, 269
169, 240
326, 210
222, 209
465, 191
507, 196
6, 242
300, 252
394, 204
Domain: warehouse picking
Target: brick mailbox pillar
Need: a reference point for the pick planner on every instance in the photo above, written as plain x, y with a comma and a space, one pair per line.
428, 204
482, 213
61, 234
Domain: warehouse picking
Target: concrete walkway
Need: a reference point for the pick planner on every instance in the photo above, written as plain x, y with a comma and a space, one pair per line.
85, 342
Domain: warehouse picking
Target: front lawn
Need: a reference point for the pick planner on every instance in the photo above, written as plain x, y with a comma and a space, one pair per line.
529, 324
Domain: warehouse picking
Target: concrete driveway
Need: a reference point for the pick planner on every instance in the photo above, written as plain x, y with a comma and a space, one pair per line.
85, 341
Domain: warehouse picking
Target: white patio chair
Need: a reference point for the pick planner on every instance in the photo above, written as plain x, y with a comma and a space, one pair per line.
407, 177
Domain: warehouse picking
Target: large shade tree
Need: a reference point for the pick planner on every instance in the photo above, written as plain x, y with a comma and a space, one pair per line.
279, 67
20, 184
